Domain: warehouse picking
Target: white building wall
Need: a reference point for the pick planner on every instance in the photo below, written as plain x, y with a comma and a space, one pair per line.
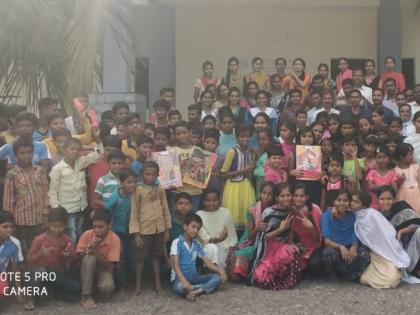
411, 38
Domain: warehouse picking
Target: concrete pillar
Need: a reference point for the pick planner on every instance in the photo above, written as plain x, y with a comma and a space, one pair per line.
162, 48
389, 32
117, 77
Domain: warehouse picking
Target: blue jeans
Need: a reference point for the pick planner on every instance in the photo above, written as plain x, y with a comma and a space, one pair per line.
195, 201
208, 283
125, 265
75, 226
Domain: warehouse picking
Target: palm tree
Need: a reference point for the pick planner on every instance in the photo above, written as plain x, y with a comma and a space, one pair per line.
54, 47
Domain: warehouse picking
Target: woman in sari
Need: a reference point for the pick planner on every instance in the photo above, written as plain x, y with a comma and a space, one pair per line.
406, 221
387, 256
207, 78
275, 263
238, 261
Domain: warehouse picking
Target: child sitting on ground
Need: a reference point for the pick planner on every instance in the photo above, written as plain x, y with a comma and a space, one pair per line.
184, 252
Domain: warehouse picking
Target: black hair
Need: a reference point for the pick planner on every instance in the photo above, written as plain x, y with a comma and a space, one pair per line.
163, 131
273, 189
372, 139
278, 188
196, 107
234, 89
174, 112
209, 117
342, 191
291, 125
212, 133
255, 59
247, 87
321, 115
303, 131
61, 133
131, 116
347, 82
265, 93
364, 198
295, 91
348, 138
396, 119
336, 157
230, 60
165, 90
267, 131
390, 57
356, 91
265, 116
23, 116
401, 150
302, 76
372, 61
149, 165
404, 105
144, 139
182, 124
118, 105
182, 195
384, 149
6, 216
282, 59
25, 141
323, 65
72, 140
390, 80
126, 174
107, 115
14, 109
218, 90
58, 214
416, 116
162, 104
112, 141
210, 190
307, 193
378, 89
395, 138
53, 116
115, 155
207, 63
196, 130
149, 126
192, 217
301, 111
274, 150
379, 111
43, 103
386, 188
348, 122
102, 215
241, 128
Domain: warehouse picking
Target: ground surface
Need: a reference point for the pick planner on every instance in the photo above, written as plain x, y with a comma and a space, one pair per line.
309, 297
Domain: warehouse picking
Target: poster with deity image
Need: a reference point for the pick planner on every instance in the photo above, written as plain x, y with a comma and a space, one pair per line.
308, 159
169, 170
199, 167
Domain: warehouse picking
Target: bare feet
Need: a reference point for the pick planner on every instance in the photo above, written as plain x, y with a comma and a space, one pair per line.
29, 306
158, 288
87, 302
192, 295
138, 291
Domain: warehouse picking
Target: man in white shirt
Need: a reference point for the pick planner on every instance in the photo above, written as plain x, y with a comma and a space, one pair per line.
390, 92
358, 79
327, 103
316, 104
405, 115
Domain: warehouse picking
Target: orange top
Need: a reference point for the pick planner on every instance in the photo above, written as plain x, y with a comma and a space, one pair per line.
108, 248
289, 83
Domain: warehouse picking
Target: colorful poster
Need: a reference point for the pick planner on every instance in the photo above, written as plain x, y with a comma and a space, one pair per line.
199, 167
169, 170
308, 159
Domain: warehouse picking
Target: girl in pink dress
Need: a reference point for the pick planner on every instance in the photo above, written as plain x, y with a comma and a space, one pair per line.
382, 175
408, 171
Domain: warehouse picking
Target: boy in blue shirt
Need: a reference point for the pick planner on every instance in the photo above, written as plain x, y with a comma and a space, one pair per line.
144, 148
119, 203
184, 252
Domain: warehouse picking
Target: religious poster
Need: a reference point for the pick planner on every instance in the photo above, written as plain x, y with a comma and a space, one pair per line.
169, 170
308, 159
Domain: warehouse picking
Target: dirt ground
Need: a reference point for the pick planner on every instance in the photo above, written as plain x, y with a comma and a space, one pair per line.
309, 297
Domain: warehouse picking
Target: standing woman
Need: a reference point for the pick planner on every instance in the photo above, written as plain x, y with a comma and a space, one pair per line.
279, 95
250, 96
263, 98
297, 78
207, 78
390, 72
323, 71
405, 220
257, 74
387, 255
207, 108
345, 72
372, 80
233, 77
234, 96
222, 92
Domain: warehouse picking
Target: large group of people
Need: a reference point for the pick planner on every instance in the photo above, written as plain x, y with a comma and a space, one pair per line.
84, 201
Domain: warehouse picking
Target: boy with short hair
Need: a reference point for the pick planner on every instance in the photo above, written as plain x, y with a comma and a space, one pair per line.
55, 122
353, 167
119, 203
144, 148
59, 138
120, 111
108, 119
301, 118
26, 193
168, 94
161, 108
52, 251
99, 251
110, 182
149, 130
134, 128
25, 125
46, 106
183, 206
68, 183
100, 167
150, 223
194, 115
162, 138
184, 252
174, 116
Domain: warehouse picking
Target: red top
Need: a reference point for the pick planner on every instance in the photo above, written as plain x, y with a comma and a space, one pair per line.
95, 171
55, 259
346, 74
305, 236
397, 76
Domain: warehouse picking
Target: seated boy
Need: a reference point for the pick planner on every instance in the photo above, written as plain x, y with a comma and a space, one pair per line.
184, 252
99, 251
51, 252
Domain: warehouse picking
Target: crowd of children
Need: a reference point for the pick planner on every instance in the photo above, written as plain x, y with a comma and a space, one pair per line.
86, 202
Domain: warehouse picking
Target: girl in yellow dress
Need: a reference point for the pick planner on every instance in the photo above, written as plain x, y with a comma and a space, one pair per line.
239, 193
